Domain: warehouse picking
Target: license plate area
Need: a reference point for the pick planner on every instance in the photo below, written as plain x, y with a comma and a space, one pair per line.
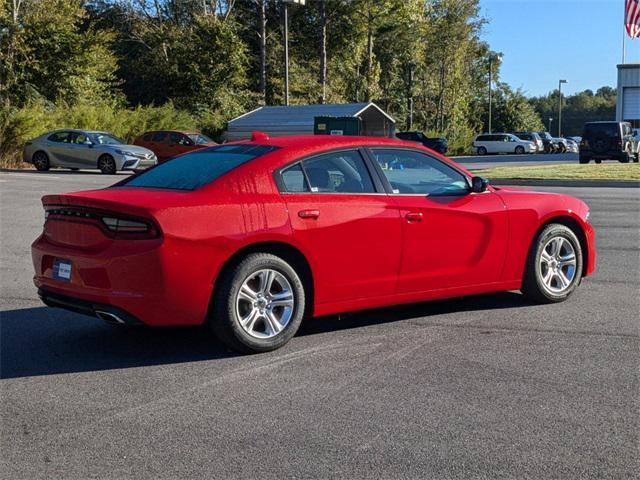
62, 269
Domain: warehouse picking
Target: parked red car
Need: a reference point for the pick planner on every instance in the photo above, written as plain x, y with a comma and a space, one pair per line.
167, 144
251, 237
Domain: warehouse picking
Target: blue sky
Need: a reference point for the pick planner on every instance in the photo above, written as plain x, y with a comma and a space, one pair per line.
546, 40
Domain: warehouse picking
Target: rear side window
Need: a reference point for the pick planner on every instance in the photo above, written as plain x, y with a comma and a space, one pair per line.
159, 136
147, 137
482, 138
293, 179
194, 170
338, 172
60, 137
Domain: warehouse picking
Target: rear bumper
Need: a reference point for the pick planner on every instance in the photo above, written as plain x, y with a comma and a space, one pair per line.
108, 313
143, 281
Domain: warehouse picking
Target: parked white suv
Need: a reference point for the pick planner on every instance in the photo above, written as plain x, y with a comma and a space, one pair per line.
502, 143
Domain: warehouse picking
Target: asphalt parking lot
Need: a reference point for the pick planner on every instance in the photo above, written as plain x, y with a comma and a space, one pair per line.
480, 387
477, 162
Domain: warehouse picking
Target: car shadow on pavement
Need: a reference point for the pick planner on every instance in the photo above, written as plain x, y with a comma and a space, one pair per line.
47, 341
366, 318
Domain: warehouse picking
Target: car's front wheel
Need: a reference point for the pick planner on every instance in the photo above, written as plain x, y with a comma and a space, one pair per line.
107, 164
258, 304
554, 265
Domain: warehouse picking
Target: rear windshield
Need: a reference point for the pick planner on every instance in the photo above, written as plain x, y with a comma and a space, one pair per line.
194, 170
602, 129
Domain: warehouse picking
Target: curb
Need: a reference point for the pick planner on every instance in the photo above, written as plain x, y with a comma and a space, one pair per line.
567, 183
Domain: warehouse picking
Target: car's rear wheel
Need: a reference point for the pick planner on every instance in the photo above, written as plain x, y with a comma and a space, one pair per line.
482, 151
554, 265
107, 164
258, 304
584, 159
40, 160
519, 150
598, 160
626, 157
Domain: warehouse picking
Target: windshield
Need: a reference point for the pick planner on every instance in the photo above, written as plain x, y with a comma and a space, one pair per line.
196, 169
199, 138
107, 139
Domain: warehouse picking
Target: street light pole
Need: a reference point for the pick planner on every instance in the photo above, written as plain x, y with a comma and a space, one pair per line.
550, 120
560, 82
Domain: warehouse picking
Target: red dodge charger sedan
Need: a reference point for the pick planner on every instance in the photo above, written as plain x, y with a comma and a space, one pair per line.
251, 237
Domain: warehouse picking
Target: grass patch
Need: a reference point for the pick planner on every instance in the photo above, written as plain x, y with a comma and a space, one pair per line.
610, 171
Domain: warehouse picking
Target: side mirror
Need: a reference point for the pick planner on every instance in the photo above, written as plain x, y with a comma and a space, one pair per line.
479, 184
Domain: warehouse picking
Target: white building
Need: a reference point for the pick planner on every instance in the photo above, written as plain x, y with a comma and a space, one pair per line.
628, 106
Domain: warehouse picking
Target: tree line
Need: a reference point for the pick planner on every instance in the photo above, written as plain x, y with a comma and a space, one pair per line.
128, 65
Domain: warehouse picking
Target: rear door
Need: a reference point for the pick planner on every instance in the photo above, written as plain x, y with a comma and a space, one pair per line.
340, 213
451, 237
59, 148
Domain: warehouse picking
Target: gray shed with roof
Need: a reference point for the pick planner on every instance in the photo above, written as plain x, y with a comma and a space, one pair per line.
278, 121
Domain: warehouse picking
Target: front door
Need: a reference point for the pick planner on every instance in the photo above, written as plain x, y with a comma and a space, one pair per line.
351, 225
451, 237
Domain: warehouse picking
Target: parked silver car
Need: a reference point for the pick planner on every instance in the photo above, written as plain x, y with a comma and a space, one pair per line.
77, 149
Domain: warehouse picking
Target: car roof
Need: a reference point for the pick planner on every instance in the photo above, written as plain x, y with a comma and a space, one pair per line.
185, 132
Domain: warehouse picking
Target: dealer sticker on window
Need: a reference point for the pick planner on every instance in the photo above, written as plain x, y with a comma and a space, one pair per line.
62, 269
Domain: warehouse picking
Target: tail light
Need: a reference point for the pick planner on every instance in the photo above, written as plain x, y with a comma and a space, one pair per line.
113, 224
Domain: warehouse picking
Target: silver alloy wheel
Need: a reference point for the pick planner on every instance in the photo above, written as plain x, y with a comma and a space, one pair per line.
265, 303
106, 164
557, 267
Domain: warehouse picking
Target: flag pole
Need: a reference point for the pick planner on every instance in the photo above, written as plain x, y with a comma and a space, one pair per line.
624, 31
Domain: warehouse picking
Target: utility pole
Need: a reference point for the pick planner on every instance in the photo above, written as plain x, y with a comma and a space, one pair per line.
492, 57
410, 70
560, 82
286, 46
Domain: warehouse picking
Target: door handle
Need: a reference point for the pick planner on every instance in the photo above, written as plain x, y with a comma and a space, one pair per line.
309, 214
414, 216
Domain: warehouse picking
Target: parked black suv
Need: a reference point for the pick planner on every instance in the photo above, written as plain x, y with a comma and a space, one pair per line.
547, 141
440, 145
608, 140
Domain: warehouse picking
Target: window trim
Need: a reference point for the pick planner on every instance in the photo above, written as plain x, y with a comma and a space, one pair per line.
385, 180
373, 173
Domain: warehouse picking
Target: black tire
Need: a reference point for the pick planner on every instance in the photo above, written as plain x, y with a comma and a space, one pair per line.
626, 157
562, 148
40, 160
107, 165
223, 318
584, 160
519, 150
598, 161
533, 286
482, 151
636, 158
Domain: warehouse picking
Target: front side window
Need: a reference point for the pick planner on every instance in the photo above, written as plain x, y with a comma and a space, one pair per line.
412, 172
196, 169
107, 139
199, 138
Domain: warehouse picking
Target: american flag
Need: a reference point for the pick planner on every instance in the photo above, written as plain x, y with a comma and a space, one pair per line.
632, 18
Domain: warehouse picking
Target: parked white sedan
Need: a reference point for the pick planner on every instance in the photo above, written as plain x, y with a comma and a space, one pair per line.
86, 149
502, 143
